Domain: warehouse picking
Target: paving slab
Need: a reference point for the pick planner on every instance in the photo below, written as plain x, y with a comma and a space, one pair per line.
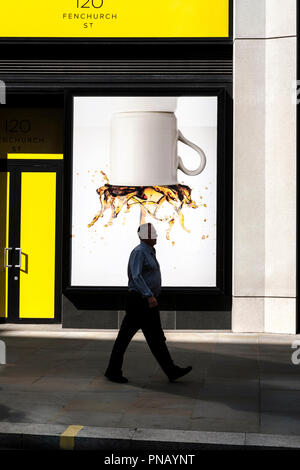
280, 422
86, 418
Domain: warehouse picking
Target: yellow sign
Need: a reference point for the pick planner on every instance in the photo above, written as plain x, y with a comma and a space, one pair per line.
115, 18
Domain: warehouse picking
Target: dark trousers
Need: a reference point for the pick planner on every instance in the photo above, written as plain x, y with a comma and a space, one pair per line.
140, 316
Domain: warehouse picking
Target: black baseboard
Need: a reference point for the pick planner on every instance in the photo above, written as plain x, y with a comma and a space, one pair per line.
72, 317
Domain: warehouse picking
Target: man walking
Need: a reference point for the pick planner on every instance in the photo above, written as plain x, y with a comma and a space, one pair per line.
144, 285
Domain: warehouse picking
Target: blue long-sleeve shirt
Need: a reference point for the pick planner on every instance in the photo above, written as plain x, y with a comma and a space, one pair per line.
143, 271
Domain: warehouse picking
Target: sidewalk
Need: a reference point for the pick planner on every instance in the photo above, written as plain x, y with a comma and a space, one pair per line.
241, 385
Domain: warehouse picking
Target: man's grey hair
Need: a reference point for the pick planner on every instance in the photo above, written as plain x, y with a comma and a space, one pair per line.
147, 232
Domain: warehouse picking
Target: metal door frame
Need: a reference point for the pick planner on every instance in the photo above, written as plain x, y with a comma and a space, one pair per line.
15, 168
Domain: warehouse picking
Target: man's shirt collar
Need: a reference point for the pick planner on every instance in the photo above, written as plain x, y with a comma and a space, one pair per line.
148, 247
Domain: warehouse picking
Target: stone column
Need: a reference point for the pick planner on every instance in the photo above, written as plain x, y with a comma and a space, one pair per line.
264, 161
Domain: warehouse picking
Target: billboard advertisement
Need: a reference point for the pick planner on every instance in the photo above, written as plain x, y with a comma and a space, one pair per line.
137, 160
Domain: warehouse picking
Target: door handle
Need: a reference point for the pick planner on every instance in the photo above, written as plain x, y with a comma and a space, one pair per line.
5, 258
20, 254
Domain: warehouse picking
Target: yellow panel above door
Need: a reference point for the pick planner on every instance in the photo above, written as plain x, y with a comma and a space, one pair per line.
35, 156
37, 242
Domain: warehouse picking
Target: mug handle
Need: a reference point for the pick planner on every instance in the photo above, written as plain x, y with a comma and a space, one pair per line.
198, 150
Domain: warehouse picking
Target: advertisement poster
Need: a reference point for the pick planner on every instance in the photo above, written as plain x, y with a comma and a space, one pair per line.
109, 205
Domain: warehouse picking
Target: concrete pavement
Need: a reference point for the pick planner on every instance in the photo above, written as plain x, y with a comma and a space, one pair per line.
242, 385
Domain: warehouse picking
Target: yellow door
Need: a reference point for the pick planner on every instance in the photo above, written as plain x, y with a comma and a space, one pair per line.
37, 245
4, 242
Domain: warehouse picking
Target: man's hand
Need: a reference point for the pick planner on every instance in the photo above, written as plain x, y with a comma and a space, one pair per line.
152, 302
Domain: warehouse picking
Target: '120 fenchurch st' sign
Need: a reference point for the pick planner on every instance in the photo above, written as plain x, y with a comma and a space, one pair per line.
115, 19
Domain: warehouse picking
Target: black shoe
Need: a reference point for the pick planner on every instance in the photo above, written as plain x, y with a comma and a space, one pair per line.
118, 378
179, 372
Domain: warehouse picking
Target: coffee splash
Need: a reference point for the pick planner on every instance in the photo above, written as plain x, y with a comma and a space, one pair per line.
151, 199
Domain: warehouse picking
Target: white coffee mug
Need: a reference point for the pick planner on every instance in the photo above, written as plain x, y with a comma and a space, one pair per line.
143, 149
